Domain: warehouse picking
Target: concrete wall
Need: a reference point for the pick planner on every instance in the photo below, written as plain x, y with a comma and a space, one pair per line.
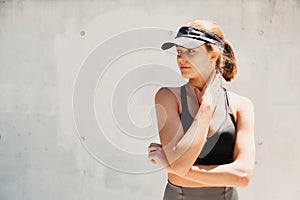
44, 46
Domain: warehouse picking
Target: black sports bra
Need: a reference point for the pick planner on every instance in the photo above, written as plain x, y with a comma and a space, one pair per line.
218, 149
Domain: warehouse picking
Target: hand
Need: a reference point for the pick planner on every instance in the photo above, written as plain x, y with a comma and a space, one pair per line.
210, 94
156, 155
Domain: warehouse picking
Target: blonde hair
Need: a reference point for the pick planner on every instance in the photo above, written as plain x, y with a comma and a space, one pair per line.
226, 63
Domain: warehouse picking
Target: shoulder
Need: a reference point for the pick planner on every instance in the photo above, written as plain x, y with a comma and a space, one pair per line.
168, 96
241, 105
239, 101
163, 91
167, 93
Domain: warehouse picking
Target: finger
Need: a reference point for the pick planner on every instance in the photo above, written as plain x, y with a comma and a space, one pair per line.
155, 144
209, 81
201, 95
215, 89
211, 77
152, 153
154, 148
151, 159
198, 94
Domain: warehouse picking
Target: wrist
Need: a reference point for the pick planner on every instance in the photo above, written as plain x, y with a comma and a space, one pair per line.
170, 170
205, 112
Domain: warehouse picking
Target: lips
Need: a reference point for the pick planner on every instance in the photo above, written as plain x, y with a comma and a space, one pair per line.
185, 67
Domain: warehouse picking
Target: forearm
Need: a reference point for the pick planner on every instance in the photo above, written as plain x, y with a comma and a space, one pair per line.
219, 175
188, 148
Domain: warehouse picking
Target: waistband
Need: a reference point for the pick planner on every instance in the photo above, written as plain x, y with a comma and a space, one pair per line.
216, 193
213, 189
193, 187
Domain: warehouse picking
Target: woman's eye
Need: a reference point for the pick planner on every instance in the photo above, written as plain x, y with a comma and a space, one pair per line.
190, 50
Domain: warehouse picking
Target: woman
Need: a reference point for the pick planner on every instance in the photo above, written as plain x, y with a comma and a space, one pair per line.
206, 132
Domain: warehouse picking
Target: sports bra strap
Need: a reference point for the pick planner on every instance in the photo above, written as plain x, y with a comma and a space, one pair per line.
183, 100
227, 101
186, 118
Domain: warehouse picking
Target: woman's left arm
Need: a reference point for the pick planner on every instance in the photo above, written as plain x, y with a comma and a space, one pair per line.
239, 172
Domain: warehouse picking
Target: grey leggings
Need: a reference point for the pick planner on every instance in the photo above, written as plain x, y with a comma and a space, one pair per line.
175, 192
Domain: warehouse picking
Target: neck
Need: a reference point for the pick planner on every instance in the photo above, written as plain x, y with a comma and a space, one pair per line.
200, 82
197, 82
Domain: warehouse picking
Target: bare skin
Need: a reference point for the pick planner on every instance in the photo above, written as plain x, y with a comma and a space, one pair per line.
178, 180
237, 173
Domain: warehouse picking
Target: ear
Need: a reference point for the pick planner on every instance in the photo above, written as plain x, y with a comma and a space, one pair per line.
214, 55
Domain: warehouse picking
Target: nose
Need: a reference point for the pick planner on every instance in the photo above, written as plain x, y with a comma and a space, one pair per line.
181, 60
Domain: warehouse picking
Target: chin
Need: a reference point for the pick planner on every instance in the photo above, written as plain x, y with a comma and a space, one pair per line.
187, 75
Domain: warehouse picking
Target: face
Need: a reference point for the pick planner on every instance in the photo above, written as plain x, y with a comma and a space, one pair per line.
194, 63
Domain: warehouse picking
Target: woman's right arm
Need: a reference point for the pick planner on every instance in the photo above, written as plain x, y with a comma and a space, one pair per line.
181, 149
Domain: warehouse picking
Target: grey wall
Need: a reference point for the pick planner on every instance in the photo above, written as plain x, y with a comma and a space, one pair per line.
43, 45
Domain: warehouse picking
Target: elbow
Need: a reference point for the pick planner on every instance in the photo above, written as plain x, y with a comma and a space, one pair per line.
244, 179
243, 176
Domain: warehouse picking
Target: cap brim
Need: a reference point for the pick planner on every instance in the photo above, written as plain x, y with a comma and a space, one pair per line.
185, 42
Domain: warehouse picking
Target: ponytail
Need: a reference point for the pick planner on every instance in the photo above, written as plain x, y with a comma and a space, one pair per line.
229, 65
